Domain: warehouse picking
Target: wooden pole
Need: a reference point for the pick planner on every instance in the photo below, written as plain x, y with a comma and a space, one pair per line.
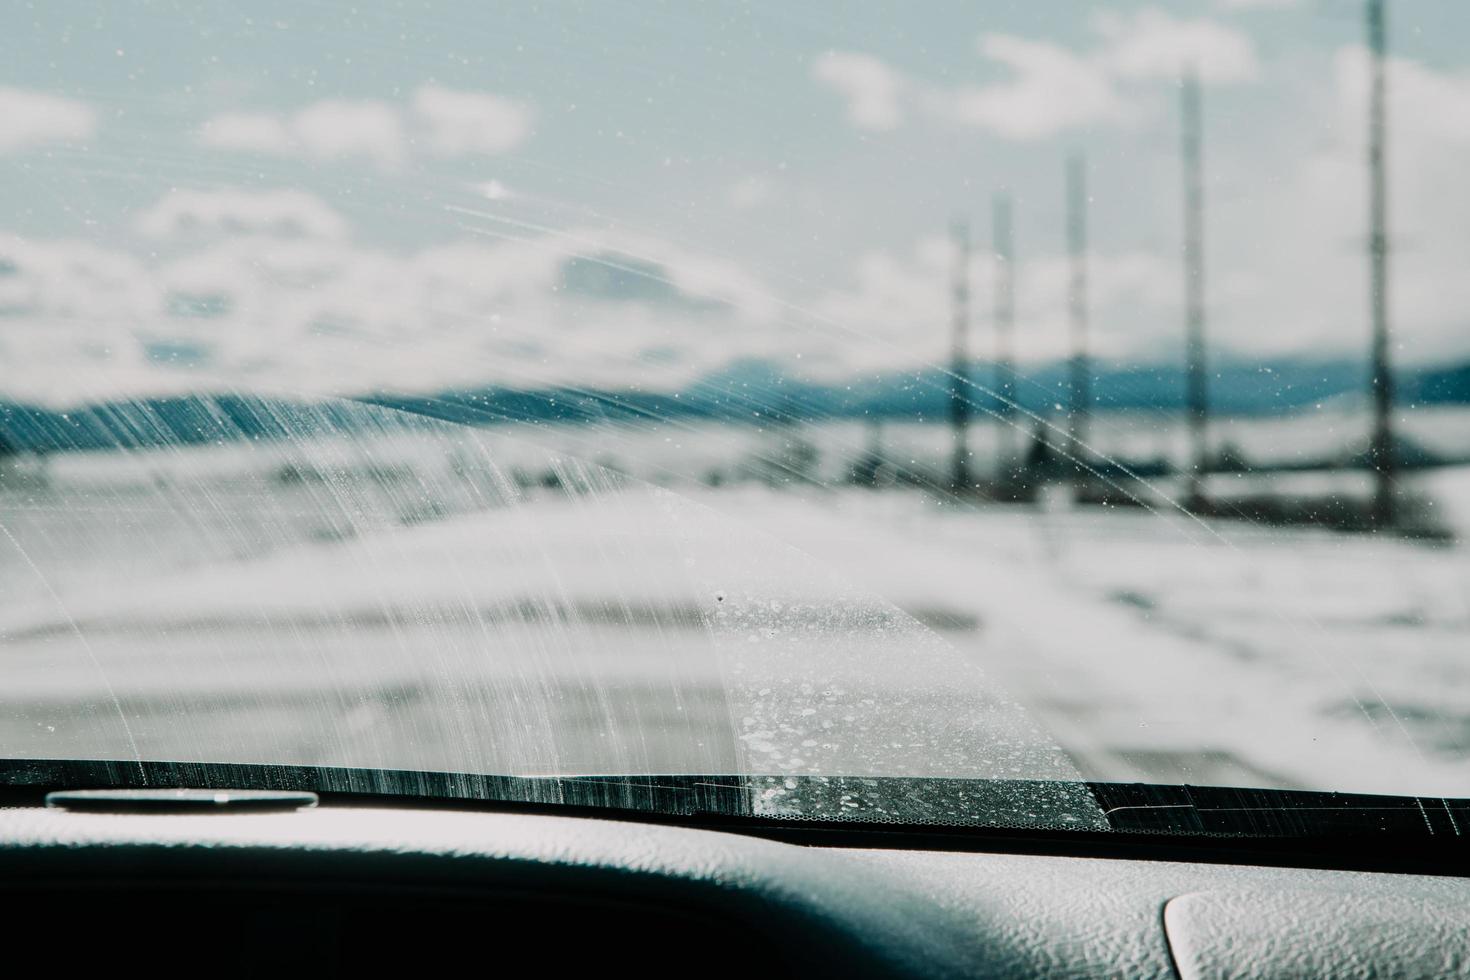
1081, 368
1196, 394
960, 476
1005, 321
1381, 453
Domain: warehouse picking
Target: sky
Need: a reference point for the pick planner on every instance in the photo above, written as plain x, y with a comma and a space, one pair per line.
317, 198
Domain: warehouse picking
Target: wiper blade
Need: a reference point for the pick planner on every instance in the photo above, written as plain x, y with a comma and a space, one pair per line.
1275, 813
895, 803
1010, 803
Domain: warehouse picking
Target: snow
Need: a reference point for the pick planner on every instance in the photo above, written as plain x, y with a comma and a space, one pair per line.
1156, 648
215, 604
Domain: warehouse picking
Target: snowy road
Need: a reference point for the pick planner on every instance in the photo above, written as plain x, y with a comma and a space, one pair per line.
1156, 648
208, 610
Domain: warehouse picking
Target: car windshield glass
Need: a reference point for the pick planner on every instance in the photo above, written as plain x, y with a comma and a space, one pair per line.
1022, 394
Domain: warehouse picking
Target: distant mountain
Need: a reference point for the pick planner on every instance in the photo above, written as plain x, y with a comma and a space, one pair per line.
171, 421
1437, 386
749, 392
756, 390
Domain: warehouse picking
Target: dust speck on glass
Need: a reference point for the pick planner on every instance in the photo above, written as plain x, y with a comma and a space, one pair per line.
1024, 393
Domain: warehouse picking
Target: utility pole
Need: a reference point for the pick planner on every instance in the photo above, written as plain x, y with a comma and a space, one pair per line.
1005, 321
1081, 369
959, 358
1380, 452
1196, 394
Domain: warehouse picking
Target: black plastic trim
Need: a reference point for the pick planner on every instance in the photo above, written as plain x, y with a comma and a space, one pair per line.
1206, 824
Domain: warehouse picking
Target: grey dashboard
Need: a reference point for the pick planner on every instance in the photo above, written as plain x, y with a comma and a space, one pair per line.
688, 902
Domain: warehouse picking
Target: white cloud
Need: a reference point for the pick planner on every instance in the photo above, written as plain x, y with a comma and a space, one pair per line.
494, 190
897, 305
1286, 243
233, 292
442, 121
1257, 4
30, 119
273, 291
249, 132
336, 129
1050, 88
872, 89
279, 213
1294, 244
69, 277
751, 192
461, 123
1155, 45
327, 130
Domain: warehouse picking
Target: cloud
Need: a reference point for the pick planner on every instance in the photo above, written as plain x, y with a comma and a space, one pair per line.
1049, 88
751, 192
264, 290
1312, 222
899, 302
1155, 45
618, 279
440, 121
249, 132
1286, 244
250, 288
1258, 4
279, 213
30, 119
338, 129
328, 130
872, 89
1286, 240
462, 123
494, 190
70, 278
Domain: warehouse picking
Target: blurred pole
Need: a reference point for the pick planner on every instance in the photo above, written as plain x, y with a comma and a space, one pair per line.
960, 357
875, 438
1196, 395
1081, 369
1005, 319
1381, 455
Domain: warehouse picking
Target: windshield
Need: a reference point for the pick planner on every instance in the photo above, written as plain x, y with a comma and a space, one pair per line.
1022, 394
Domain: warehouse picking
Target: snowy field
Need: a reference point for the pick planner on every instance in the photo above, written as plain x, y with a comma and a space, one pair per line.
413, 599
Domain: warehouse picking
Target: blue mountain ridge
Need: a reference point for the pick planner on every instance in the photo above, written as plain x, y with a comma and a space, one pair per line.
753, 392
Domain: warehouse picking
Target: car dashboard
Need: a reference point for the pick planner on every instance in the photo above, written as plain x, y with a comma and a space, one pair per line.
353, 889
